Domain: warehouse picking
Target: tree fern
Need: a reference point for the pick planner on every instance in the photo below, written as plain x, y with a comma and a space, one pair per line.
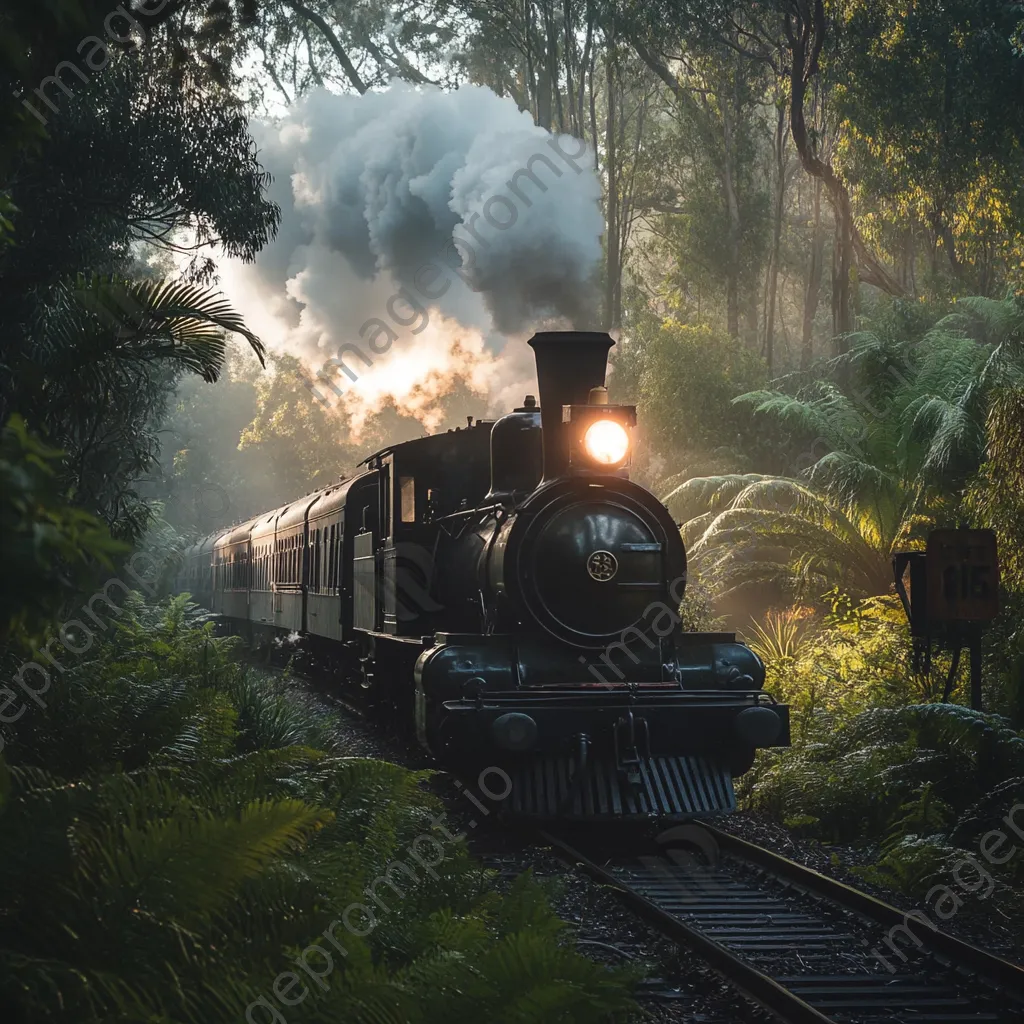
901, 439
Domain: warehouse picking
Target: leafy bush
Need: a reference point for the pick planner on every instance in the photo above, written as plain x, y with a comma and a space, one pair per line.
829, 670
47, 546
177, 830
921, 782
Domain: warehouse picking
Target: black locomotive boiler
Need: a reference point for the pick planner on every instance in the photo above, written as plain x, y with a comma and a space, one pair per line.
508, 587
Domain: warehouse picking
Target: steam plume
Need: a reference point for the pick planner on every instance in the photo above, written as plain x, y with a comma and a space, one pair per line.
425, 228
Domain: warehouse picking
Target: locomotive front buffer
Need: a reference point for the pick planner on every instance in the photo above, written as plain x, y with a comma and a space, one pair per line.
586, 748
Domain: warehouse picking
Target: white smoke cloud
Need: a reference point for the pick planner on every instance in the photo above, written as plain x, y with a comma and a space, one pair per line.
426, 234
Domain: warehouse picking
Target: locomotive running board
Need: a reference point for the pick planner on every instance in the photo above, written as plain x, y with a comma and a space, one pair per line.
670, 787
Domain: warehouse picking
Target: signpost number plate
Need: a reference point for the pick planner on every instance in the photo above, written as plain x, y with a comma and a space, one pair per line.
963, 576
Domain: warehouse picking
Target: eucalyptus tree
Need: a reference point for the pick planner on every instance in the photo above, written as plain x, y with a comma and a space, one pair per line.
794, 41
717, 224
930, 95
924, 124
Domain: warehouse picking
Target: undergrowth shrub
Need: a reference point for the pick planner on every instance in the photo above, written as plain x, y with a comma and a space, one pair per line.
176, 829
921, 783
858, 656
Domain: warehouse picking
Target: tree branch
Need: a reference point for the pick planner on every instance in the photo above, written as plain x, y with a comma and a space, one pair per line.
332, 40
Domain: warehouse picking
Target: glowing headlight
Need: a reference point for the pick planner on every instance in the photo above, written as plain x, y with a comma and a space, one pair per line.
606, 442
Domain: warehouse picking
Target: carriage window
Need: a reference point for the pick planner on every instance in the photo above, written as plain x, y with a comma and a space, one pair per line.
337, 560
335, 545
407, 490
330, 559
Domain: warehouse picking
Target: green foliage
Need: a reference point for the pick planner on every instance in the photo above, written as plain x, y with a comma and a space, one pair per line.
47, 546
130, 162
7, 212
780, 639
857, 656
177, 829
926, 93
110, 335
685, 377
752, 531
707, 152
903, 434
696, 612
921, 782
153, 320
33, 39
996, 496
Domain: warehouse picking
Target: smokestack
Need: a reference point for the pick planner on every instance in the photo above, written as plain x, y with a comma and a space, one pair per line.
569, 364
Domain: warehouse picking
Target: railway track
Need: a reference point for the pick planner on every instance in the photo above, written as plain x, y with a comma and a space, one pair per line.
803, 945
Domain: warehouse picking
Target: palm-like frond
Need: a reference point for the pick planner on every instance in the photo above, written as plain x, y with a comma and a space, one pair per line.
776, 529
192, 864
902, 437
149, 320
990, 321
707, 493
778, 639
829, 414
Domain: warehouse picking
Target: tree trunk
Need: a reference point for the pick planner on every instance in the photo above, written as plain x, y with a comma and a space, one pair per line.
531, 78
732, 205
611, 240
551, 52
814, 275
780, 201
806, 38
569, 48
842, 306
544, 97
325, 30
752, 318
586, 73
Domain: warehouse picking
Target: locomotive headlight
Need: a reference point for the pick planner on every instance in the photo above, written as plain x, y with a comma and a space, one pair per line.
606, 442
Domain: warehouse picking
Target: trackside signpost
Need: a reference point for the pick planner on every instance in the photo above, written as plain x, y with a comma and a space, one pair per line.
950, 592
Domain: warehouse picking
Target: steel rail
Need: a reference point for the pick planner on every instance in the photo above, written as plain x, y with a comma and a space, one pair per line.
1005, 973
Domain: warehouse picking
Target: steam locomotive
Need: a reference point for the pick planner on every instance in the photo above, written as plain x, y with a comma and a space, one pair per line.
508, 587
